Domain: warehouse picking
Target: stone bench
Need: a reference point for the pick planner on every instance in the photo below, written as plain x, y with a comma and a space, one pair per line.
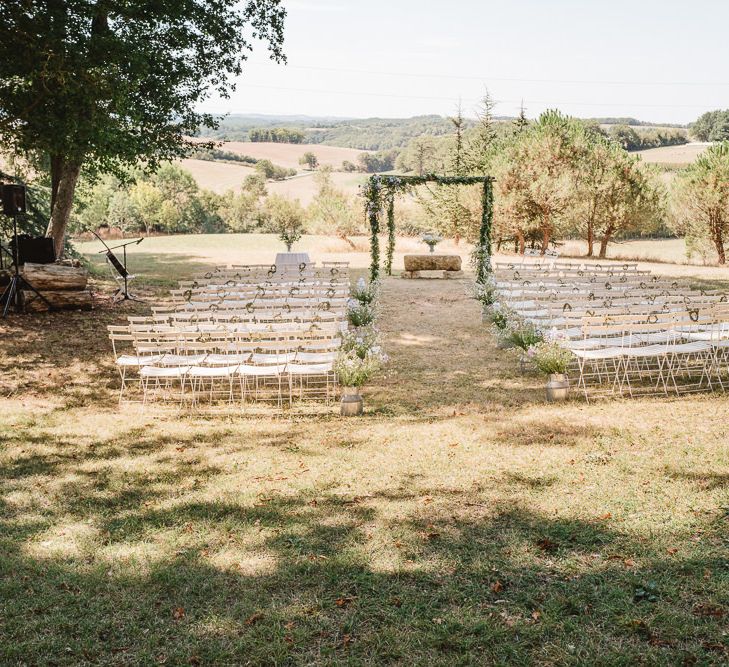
432, 266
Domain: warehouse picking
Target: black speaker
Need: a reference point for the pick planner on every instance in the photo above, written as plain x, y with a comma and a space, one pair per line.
13, 199
38, 250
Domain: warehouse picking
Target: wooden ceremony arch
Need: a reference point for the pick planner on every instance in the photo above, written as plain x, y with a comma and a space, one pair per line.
380, 192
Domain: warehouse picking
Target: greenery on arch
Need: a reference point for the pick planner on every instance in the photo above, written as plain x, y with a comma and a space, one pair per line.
380, 192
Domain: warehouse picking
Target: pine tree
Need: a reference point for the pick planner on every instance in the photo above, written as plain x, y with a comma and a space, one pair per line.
482, 140
521, 123
457, 162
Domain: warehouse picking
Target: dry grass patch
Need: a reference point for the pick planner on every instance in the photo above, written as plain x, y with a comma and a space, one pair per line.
461, 521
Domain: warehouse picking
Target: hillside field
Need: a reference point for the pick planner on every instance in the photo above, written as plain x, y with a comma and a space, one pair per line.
288, 155
222, 176
674, 155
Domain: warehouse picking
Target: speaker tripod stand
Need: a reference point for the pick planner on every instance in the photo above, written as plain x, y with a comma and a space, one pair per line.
18, 283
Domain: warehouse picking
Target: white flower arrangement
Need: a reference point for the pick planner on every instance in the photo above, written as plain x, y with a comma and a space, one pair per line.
360, 354
364, 293
360, 314
486, 292
431, 240
353, 370
520, 333
361, 341
550, 357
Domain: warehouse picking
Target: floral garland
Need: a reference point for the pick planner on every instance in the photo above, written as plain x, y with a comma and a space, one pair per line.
390, 232
482, 253
373, 202
381, 190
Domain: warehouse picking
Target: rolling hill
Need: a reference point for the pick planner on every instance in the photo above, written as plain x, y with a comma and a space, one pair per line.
288, 155
222, 176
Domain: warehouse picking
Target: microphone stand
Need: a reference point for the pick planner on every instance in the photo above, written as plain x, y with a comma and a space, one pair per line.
121, 267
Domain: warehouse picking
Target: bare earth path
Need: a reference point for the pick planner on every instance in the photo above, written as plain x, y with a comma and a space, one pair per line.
460, 521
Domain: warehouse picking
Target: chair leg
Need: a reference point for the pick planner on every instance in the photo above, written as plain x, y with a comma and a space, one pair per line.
122, 375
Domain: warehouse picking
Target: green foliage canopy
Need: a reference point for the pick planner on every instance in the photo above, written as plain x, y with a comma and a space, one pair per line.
561, 177
711, 126
700, 201
277, 135
102, 85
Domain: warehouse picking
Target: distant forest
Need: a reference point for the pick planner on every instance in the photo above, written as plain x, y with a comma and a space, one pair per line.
712, 126
632, 122
386, 134
364, 133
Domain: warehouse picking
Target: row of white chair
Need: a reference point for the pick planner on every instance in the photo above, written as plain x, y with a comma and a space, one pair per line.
655, 334
252, 330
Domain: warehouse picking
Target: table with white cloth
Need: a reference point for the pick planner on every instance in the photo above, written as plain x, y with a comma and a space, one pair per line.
292, 259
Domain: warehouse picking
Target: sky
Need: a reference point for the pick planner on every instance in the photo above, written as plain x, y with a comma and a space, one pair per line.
661, 61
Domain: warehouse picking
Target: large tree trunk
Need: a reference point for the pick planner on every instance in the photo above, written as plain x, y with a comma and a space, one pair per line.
56, 162
546, 236
718, 238
346, 239
604, 243
521, 243
66, 175
590, 240
719, 243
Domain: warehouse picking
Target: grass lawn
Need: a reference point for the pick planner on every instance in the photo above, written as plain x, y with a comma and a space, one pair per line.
461, 521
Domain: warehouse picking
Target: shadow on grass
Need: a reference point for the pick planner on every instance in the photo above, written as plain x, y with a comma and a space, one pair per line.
154, 269
706, 481
138, 567
530, 432
67, 355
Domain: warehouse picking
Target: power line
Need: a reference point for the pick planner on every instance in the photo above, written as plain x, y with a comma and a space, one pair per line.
331, 91
494, 78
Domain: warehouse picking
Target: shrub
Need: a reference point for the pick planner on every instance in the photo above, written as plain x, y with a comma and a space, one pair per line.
272, 171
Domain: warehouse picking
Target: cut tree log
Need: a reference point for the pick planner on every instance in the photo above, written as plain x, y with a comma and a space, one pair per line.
432, 263
61, 299
55, 276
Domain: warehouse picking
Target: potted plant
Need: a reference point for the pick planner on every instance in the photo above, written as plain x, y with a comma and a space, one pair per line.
499, 318
361, 341
431, 240
522, 335
353, 368
553, 360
